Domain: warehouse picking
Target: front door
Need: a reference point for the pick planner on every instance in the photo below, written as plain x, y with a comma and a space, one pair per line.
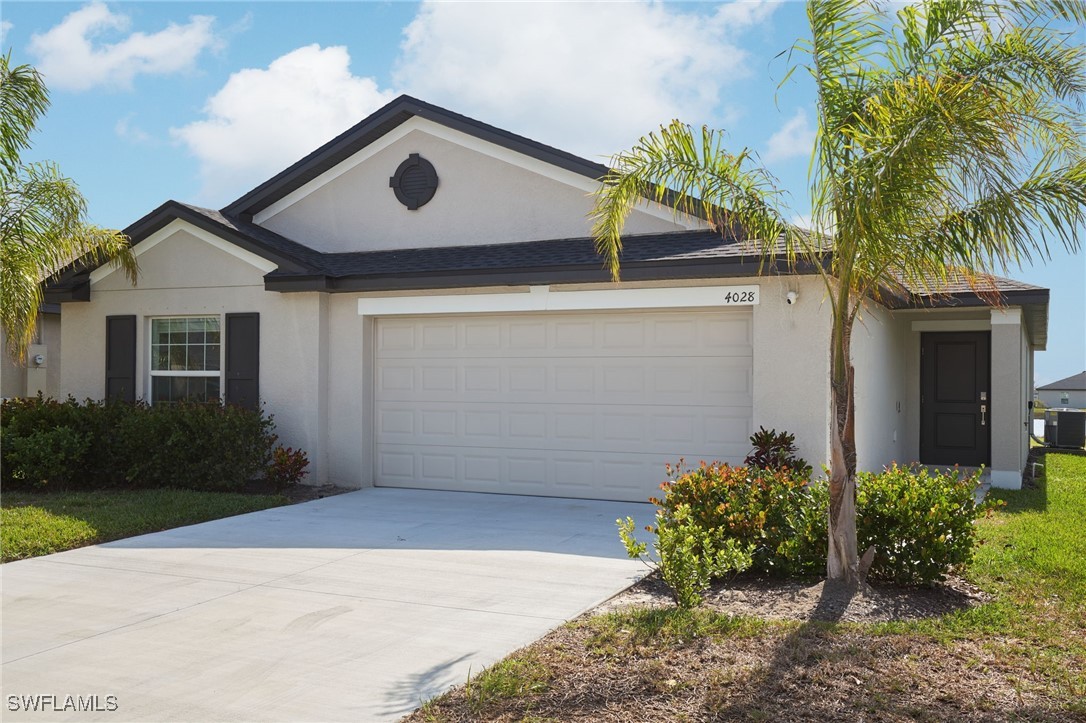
955, 398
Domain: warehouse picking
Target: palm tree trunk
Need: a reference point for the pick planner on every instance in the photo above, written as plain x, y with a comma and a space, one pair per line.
842, 564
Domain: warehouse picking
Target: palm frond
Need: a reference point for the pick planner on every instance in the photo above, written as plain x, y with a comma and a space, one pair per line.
690, 171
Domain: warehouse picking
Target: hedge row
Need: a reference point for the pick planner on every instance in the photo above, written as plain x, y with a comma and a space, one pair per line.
69, 445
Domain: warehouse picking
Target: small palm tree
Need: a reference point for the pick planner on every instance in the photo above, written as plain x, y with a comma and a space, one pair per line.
949, 144
43, 225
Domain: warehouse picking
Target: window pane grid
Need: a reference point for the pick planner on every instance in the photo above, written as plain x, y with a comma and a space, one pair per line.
185, 359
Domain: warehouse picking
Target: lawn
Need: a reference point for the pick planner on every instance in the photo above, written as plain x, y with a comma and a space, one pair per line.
33, 524
1020, 656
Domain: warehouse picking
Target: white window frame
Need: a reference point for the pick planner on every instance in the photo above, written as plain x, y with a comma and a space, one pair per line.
149, 347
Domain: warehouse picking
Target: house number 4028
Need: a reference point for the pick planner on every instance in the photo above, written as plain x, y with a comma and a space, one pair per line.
740, 295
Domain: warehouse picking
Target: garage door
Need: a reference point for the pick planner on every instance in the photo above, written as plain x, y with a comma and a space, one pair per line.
585, 405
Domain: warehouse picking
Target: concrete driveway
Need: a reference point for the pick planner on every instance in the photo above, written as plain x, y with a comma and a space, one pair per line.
355, 607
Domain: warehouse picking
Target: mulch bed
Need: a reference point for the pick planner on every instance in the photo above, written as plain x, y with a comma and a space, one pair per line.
786, 599
802, 669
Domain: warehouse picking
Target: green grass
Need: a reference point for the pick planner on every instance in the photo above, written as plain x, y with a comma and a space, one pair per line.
33, 524
1032, 560
511, 678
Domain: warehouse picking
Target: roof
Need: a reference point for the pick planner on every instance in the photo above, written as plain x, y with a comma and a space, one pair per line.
381, 122
1073, 383
661, 256
671, 255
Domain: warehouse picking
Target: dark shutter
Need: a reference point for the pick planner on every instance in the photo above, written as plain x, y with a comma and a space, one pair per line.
243, 360
121, 358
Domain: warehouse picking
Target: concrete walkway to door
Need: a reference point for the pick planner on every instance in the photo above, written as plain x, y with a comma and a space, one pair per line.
356, 607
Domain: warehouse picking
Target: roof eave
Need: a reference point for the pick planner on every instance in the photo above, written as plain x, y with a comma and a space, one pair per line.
527, 276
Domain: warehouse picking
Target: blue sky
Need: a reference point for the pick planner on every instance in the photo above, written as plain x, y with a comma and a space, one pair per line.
200, 101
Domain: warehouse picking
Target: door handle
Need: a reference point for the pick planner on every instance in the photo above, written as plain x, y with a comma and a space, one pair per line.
983, 409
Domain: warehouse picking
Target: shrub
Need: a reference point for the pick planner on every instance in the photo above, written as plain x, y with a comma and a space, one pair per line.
46, 457
688, 555
201, 446
287, 468
768, 510
772, 450
196, 446
718, 519
920, 523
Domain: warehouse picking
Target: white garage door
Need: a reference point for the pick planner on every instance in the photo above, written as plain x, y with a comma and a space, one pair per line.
571, 405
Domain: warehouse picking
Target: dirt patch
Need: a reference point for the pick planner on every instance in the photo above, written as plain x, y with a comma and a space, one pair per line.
774, 599
805, 673
297, 493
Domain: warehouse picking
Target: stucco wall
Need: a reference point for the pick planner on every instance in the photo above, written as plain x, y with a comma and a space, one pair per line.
480, 200
184, 275
26, 380
792, 363
12, 375
879, 358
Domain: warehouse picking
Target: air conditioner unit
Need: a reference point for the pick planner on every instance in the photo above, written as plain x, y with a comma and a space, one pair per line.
1065, 427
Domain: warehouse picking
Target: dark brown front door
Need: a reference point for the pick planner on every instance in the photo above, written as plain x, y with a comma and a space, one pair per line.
955, 398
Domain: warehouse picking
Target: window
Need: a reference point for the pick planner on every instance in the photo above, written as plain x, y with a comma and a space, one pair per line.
185, 359
1065, 398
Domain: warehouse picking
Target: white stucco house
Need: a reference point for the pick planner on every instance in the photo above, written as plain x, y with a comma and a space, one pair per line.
1069, 392
419, 303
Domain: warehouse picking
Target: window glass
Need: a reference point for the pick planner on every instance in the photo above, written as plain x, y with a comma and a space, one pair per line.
185, 353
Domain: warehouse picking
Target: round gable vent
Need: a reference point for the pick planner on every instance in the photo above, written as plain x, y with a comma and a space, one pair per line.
415, 182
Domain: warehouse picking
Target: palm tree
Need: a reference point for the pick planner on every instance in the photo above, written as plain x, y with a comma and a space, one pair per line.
949, 144
43, 217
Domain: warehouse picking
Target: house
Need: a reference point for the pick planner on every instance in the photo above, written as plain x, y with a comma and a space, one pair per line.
40, 372
1069, 392
420, 304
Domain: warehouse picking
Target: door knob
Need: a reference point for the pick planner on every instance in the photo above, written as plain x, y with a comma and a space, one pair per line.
983, 410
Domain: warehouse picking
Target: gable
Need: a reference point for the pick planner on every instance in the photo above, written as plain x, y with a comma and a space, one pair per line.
486, 194
181, 255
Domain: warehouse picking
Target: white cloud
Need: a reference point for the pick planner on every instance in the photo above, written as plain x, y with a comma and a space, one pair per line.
5, 27
71, 56
588, 77
262, 120
795, 138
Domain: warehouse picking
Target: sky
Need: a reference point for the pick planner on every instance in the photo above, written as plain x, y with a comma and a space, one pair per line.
201, 101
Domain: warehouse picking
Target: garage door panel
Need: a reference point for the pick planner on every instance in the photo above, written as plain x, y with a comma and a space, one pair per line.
632, 477
601, 334
580, 405
692, 381
659, 429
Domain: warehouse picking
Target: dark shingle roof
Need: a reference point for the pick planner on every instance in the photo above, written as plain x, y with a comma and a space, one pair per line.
1073, 383
661, 247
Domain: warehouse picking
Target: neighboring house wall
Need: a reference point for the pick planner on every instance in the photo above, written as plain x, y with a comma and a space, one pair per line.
1076, 398
879, 356
182, 274
28, 379
486, 194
